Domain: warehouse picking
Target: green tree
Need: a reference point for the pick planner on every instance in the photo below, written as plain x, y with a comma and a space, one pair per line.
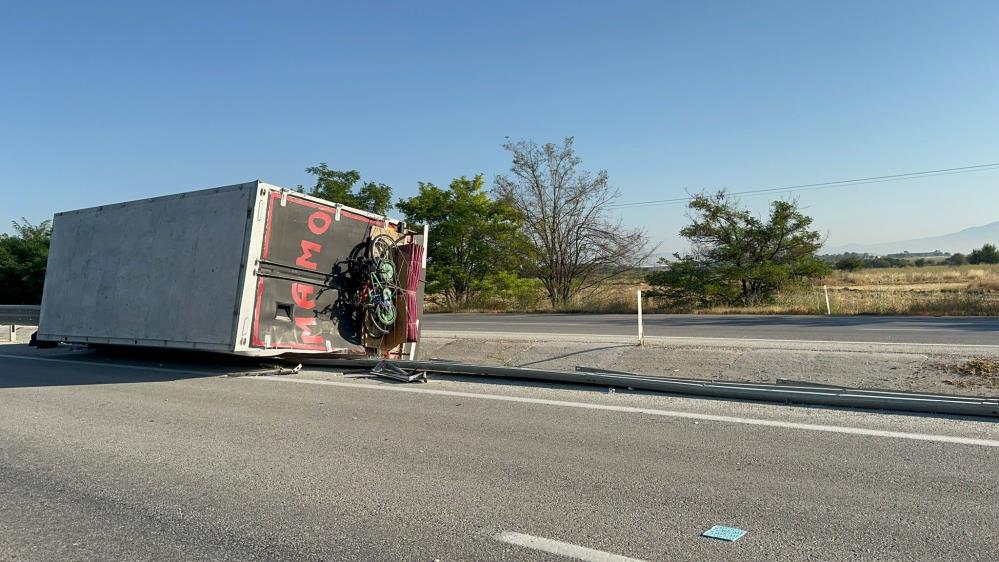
23, 257
686, 282
577, 241
957, 259
886, 262
472, 237
850, 262
737, 257
338, 186
986, 254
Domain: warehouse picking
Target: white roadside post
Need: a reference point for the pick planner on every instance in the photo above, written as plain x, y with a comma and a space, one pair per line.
825, 289
13, 333
641, 329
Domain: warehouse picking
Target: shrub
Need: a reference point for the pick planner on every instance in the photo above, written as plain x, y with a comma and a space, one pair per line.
986, 254
957, 259
850, 263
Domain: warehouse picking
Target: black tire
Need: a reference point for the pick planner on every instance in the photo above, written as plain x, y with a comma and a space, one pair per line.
381, 246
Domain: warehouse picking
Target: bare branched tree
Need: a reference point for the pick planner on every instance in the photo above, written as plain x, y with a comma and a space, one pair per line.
577, 242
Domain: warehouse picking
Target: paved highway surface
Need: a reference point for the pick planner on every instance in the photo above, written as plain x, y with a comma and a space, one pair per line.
880, 329
110, 458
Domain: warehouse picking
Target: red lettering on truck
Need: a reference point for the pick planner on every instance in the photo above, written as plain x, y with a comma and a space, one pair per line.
319, 222
307, 248
300, 293
303, 324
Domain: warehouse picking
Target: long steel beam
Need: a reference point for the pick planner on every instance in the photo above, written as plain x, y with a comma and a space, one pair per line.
784, 393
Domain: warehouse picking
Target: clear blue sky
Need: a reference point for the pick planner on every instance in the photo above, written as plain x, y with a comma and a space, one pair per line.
104, 102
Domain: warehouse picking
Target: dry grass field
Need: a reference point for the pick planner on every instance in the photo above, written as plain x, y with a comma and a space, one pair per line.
969, 290
938, 290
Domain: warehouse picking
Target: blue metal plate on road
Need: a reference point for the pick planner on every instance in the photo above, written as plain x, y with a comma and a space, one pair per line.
724, 533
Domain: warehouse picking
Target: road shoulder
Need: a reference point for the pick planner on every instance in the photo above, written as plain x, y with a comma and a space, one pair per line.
905, 367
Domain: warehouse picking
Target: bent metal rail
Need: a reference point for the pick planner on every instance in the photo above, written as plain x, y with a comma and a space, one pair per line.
794, 393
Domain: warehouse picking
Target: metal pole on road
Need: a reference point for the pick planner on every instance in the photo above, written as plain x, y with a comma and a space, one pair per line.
641, 329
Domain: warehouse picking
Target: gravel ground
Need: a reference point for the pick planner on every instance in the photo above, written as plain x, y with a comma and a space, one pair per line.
23, 334
918, 368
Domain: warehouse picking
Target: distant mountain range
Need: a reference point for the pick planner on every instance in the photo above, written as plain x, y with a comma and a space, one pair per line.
963, 241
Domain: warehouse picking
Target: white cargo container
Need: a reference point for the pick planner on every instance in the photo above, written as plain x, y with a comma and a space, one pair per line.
249, 269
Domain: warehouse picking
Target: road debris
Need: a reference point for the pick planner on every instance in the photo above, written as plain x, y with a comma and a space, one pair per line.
721, 532
980, 371
390, 370
268, 370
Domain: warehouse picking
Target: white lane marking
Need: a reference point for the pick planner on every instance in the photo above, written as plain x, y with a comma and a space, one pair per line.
430, 333
494, 322
560, 548
112, 365
649, 411
904, 329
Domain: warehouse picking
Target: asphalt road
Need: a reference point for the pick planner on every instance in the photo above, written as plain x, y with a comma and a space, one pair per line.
110, 458
877, 329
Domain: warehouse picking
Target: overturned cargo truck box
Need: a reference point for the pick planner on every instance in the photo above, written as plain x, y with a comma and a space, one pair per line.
249, 269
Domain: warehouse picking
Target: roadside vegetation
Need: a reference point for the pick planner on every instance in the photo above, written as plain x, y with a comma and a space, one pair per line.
928, 290
938, 290
975, 372
543, 238
23, 257
736, 258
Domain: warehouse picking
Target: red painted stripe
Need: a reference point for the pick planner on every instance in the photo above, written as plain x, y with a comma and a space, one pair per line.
256, 320
267, 227
343, 212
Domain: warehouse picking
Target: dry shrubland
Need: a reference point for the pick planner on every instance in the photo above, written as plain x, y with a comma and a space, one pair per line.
968, 290
978, 371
